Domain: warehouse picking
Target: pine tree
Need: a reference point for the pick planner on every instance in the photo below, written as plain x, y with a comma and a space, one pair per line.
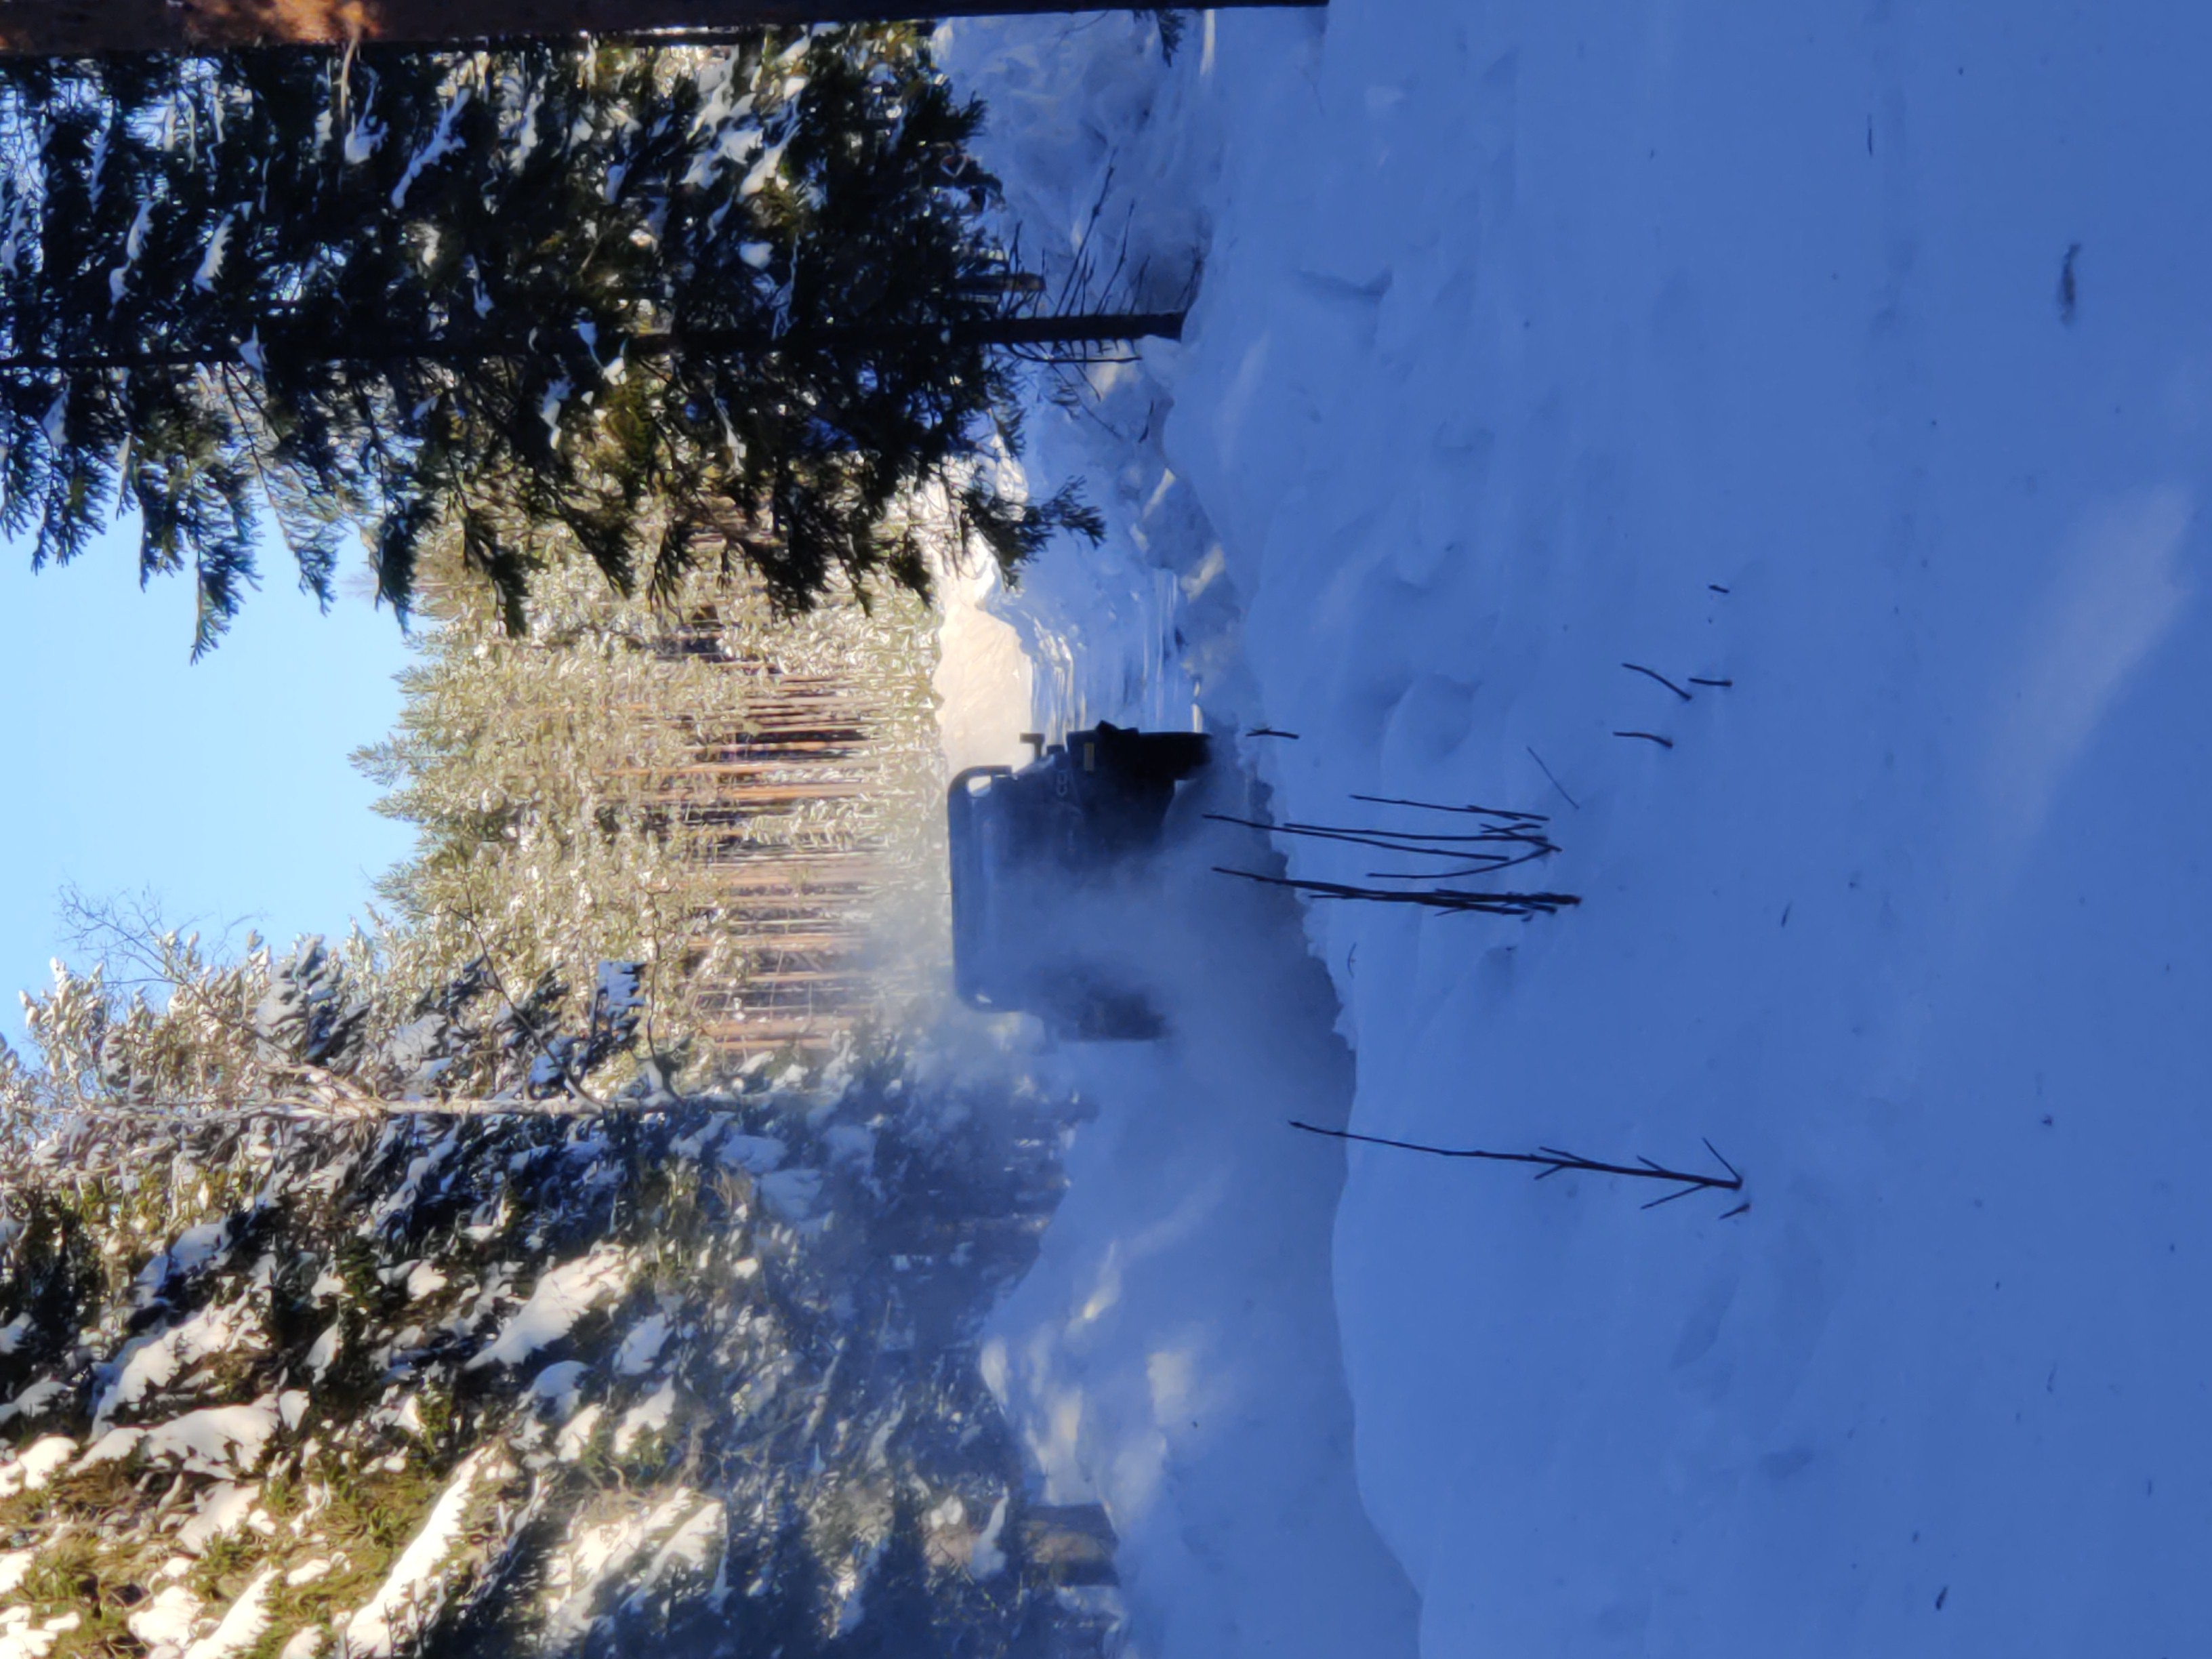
164, 1023
655, 305
748, 807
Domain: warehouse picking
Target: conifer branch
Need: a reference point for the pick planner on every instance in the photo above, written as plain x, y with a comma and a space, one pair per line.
774, 317
559, 1063
714, 345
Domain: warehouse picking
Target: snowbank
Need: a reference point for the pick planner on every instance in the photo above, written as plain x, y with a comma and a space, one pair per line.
1858, 359
1174, 1353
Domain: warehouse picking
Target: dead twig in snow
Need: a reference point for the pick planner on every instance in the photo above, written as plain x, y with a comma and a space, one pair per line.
1488, 868
1654, 674
1556, 784
1520, 832
1431, 898
1480, 811
1548, 1161
1406, 841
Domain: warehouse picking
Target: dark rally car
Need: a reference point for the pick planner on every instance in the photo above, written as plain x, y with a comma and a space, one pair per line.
1038, 854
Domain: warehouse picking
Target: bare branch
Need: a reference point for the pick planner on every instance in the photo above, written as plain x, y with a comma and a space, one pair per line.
1654, 674
1550, 1161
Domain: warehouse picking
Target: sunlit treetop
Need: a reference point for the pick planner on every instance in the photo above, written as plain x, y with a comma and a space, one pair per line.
652, 305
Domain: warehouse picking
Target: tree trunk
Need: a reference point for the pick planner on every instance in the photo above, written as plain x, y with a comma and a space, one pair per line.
1095, 330
80, 29
1083, 329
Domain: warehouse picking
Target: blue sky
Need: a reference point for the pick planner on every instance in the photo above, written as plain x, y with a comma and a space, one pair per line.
221, 786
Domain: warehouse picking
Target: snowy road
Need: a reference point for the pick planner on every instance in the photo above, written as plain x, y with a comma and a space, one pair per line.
1174, 1353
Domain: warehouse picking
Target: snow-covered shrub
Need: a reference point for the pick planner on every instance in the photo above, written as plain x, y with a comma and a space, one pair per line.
699, 1373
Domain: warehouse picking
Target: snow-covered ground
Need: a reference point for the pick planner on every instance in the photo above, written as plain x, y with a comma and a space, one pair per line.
1174, 1354
1861, 356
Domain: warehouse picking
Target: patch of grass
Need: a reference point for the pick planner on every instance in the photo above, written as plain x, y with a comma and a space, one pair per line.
354, 1262
226, 1565
366, 1523
644, 1460
75, 1574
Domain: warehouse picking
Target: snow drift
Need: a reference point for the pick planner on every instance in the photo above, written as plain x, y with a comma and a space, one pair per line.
1854, 364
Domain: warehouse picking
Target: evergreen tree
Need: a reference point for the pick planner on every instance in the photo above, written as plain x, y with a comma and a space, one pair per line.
163, 1023
612, 787
657, 304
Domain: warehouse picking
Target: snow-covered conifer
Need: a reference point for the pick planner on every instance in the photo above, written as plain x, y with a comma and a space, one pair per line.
656, 306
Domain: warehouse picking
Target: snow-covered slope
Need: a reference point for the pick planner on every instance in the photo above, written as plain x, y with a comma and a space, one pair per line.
1861, 357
